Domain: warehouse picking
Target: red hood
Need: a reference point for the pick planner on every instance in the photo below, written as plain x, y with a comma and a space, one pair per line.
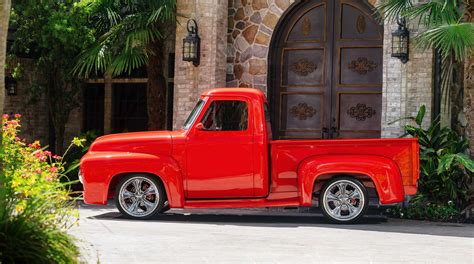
152, 142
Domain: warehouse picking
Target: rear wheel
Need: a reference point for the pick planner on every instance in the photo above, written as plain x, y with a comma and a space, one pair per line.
344, 200
139, 196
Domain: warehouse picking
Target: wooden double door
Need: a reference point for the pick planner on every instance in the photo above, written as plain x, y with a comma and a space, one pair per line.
326, 71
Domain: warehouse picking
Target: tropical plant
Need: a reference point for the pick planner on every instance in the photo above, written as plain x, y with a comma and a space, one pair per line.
53, 32
446, 26
36, 208
131, 34
445, 169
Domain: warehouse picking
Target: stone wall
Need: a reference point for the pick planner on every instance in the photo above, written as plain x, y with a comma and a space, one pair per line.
250, 28
190, 81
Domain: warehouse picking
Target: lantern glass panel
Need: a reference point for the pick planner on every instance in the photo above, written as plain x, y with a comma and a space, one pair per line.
192, 50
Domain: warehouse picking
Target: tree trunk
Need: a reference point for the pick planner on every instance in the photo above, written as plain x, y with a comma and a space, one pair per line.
156, 89
4, 18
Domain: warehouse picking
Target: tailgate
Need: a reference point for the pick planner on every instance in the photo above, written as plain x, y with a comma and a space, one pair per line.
408, 160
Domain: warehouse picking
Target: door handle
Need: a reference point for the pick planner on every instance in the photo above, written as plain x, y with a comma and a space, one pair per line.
325, 131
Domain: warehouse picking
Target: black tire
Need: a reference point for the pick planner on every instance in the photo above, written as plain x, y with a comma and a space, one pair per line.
325, 207
165, 208
161, 195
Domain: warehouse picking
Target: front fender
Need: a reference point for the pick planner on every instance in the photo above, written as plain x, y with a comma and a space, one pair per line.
383, 171
99, 168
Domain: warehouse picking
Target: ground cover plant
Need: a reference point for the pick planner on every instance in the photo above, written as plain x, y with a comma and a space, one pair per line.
36, 208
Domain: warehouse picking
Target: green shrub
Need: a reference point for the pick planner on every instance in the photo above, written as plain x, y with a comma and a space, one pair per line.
421, 210
445, 171
35, 206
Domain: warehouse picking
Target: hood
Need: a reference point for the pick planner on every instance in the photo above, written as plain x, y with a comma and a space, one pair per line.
152, 142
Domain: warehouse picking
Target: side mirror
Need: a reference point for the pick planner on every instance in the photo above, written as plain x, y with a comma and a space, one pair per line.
199, 127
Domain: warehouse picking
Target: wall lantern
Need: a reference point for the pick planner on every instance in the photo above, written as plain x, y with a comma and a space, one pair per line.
10, 85
192, 43
400, 42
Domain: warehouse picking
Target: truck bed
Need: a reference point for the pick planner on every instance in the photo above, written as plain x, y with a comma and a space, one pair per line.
288, 154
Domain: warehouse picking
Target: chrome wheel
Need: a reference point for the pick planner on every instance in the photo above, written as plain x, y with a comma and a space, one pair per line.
139, 196
343, 200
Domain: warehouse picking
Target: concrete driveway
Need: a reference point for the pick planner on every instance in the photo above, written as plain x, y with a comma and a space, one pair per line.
262, 236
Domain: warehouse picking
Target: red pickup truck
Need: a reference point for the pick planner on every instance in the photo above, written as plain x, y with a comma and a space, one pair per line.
225, 157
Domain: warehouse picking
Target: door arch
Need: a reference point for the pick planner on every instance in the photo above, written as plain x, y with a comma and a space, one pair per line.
325, 73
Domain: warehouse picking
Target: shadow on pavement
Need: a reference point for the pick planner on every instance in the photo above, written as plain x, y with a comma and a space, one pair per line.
270, 219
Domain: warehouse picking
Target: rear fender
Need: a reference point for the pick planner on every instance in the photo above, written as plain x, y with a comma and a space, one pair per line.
99, 168
383, 171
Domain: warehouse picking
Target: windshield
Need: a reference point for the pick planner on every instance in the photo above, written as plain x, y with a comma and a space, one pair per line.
194, 114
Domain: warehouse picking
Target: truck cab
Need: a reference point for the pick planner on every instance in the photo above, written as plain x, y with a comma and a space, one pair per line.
225, 157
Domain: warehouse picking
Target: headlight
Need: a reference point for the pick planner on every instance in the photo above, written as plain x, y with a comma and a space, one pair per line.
79, 174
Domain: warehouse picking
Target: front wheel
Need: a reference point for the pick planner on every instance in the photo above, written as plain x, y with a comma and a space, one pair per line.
139, 196
344, 200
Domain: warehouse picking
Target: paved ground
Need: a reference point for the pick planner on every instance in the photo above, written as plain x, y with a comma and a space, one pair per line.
252, 236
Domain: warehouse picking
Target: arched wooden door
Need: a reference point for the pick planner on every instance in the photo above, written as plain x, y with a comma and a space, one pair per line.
326, 71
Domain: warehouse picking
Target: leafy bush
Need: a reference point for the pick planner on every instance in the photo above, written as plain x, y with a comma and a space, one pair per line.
445, 171
35, 206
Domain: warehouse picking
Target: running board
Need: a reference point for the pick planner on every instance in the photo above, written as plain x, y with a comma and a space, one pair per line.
240, 203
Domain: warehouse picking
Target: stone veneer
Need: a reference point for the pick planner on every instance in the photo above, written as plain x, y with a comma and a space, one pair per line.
250, 28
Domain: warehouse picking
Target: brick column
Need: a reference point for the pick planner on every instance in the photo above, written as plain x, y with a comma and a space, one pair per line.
405, 86
191, 81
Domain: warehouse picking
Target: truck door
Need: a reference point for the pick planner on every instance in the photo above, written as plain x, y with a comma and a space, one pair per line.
219, 151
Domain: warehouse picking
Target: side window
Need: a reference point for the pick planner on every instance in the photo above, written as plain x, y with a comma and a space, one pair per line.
226, 116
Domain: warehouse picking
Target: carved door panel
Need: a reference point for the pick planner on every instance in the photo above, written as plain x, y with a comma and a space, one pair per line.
357, 64
315, 77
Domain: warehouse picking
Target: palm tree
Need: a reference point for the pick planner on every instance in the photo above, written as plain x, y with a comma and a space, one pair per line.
131, 35
446, 29
4, 18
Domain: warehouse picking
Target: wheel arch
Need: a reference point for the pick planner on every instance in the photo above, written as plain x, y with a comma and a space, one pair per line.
382, 172
103, 170
114, 181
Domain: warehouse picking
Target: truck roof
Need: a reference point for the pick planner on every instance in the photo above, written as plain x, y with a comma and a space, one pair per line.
250, 92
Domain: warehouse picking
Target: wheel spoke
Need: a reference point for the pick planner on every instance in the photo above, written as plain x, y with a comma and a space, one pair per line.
150, 190
331, 197
149, 205
352, 209
127, 194
137, 183
342, 188
134, 206
354, 194
337, 211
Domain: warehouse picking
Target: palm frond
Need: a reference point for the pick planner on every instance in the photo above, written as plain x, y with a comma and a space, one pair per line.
126, 29
128, 60
435, 12
456, 39
93, 60
392, 10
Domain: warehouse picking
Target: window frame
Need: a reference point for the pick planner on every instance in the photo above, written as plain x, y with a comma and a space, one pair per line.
212, 99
